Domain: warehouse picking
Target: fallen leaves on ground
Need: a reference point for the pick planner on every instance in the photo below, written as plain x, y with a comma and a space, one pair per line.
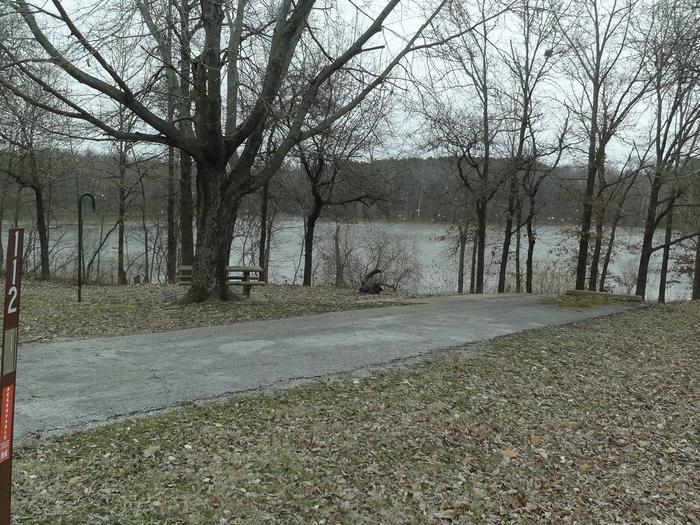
50, 310
595, 422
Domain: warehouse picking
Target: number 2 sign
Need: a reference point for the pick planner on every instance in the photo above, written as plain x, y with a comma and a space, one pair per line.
8, 365
13, 278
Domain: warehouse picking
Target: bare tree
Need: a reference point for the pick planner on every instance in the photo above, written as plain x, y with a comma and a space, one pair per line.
614, 203
332, 161
172, 236
675, 100
612, 190
124, 150
269, 206
606, 72
168, 24
30, 159
543, 159
463, 70
228, 130
529, 58
461, 230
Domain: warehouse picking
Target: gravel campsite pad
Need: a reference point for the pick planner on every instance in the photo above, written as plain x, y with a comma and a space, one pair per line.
596, 422
50, 311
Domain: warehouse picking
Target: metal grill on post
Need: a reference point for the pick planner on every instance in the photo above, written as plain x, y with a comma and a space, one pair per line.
80, 240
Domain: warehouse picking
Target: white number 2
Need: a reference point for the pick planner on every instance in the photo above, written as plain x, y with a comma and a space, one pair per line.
12, 292
12, 303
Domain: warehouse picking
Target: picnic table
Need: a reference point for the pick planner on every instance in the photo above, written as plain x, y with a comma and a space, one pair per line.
246, 276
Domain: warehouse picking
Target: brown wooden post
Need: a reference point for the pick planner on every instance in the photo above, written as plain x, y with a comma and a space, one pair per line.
246, 278
10, 327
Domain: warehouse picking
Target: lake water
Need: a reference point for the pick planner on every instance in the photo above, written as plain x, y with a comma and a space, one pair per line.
424, 256
436, 259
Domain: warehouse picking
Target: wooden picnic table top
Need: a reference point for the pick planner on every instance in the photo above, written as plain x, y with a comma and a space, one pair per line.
230, 268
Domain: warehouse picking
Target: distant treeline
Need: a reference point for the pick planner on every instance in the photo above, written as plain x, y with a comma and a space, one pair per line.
419, 189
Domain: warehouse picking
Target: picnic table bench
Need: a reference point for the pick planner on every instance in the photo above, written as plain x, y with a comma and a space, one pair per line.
246, 276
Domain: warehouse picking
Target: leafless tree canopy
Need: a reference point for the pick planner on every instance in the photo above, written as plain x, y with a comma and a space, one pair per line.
232, 97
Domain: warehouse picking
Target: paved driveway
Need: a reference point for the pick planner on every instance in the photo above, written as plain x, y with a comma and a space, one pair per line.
76, 384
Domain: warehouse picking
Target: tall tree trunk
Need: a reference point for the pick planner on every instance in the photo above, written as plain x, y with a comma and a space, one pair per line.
265, 196
171, 262
518, 274
121, 217
339, 260
480, 256
600, 210
597, 249
187, 244
515, 201
586, 219
186, 210
696, 272
2, 240
227, 222
121, 272
146, 264
592, 169
311, 221
507, 234
613, 230
41, 224
657, 183
43, 231
210, 221
472, 269
18, 206
213, 249
460, 259
144, 227
608, 251
268, 244
666, 252
485, 166
648, 239
531, 240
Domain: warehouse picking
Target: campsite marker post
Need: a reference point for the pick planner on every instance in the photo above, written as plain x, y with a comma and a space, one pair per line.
8, 365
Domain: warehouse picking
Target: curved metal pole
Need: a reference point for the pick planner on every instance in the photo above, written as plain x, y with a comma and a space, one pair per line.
80, 239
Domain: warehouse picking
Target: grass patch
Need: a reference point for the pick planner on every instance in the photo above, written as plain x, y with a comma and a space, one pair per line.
573, 301
595, 422
50, 310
